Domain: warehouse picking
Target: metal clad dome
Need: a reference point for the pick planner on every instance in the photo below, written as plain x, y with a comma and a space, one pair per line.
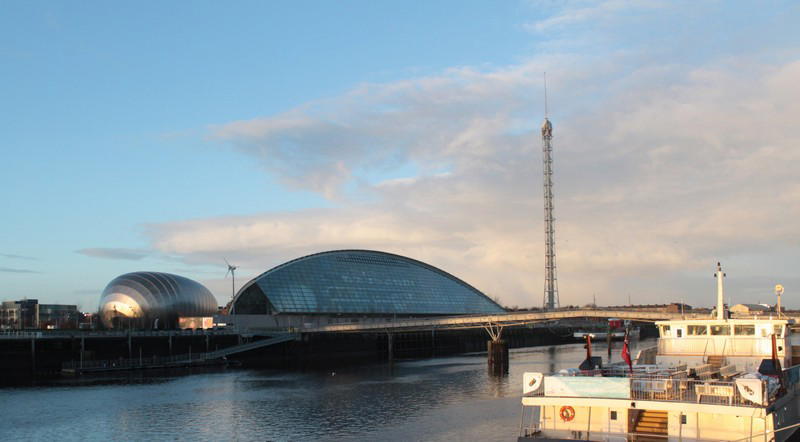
360, 282
152, 299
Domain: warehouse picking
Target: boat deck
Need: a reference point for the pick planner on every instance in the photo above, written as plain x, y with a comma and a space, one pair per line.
657, 384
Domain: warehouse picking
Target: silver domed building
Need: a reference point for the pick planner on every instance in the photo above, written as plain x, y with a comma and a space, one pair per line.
153, 300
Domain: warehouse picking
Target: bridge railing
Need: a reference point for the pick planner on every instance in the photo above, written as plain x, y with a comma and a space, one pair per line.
143, 362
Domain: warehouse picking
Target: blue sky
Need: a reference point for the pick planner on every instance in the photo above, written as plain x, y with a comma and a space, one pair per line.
153, 136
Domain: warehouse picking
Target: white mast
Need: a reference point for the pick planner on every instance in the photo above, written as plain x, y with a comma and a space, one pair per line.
720, 293
550, 282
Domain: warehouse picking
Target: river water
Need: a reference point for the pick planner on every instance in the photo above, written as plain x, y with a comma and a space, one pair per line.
447, 398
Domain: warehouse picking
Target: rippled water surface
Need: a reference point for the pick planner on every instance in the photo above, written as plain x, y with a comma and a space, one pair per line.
448, 398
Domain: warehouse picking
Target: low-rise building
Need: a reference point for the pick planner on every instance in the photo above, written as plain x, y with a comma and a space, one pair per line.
751, 309
29, 314
18, 315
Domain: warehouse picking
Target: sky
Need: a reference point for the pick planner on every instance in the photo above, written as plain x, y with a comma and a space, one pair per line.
170, 136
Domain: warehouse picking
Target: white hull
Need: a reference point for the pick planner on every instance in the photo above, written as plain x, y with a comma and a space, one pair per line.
716, 423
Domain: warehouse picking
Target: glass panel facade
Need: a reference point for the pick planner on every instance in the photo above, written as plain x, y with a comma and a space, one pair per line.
363, 282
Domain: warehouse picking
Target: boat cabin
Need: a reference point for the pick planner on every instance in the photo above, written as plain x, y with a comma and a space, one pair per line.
740, 342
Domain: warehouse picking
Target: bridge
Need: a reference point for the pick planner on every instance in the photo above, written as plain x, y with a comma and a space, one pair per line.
496, 320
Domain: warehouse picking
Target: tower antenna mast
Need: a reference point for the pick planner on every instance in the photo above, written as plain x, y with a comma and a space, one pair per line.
545, 95
550, 281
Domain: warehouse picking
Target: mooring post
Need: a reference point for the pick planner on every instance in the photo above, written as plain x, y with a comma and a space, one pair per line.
390, 345
207, 342
170, 344
83, 348
33, 355
608, 339
130, 349
433, 342
140, 356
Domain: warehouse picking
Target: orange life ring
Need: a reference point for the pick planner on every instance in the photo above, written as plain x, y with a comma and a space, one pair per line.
567, 413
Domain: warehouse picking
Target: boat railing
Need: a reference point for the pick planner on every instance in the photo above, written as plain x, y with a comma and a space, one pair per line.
676, 387
718, 345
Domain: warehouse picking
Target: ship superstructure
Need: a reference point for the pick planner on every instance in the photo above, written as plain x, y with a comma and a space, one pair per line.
707, 379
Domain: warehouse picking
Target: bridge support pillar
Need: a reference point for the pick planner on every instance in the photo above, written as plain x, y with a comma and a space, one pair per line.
130, 347
497, 357
170, 345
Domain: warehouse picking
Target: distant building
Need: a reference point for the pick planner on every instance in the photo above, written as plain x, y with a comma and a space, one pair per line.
29, 314
677, 307
751, 309
348, 285
18, 315
58, 316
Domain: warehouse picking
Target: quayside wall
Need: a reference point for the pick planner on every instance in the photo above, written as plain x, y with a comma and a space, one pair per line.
24, 359
324, 350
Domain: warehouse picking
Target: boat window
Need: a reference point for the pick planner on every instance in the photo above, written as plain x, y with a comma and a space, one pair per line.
697, 330
718, 330
664, 331
778, 330
679, 332
744, 330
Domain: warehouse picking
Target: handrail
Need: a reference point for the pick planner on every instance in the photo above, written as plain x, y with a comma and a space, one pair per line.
767, 432
623, 436
678, 388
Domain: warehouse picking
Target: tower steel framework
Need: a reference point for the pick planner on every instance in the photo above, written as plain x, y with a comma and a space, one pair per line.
550, 280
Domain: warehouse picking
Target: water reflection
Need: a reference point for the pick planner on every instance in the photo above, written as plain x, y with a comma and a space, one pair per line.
430, 399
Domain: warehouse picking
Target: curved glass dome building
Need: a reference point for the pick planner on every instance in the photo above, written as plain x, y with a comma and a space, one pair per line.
153, 300
359, 282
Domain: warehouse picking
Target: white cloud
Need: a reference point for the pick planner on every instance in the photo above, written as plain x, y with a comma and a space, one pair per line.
581, 12
114, 253
661, 169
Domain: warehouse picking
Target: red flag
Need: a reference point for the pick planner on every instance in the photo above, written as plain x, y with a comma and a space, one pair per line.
626, 353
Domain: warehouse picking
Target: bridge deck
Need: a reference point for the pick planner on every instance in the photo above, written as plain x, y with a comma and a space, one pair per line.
506, 319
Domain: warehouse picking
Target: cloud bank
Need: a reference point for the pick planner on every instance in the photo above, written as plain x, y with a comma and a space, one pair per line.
662, 168
11, 270
114, 253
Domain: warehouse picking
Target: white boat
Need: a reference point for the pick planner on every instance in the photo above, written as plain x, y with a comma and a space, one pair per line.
706, 380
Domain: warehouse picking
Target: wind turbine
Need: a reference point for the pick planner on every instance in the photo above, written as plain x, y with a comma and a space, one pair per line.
232, 271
